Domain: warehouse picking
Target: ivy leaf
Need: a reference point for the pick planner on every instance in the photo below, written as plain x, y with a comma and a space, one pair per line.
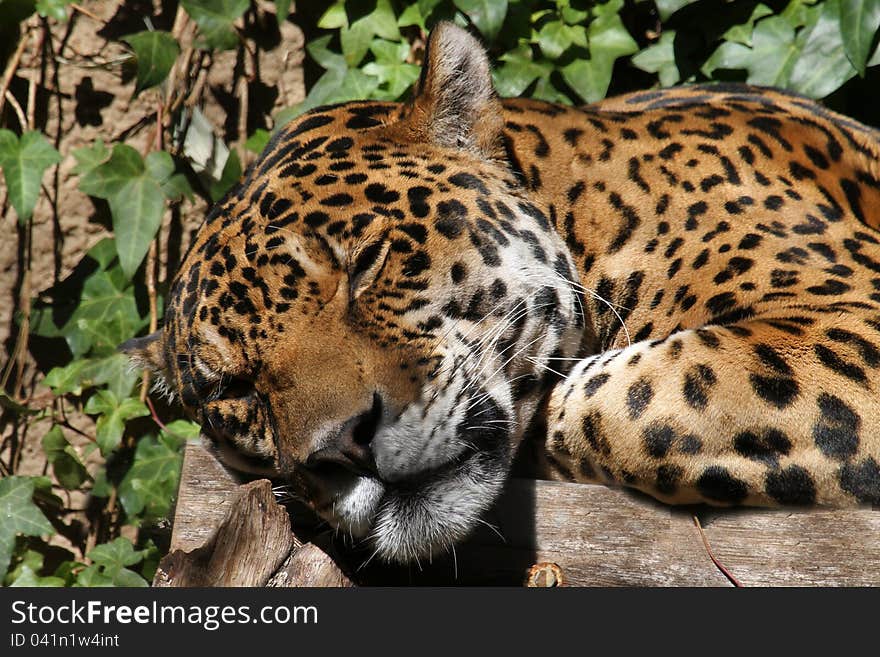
608, 40
66, 379
773, 52
742, 33
177, 187
137, 214
156, 52
487, 15
357, 37
151, 482
30, 559
335, 17
660, 59
26, 572
355, 41
875, 58
107, 301
668, 7
159, 166
106, 179
257, 141
101, 487
728, 56
282, 10
56, 9
30, 579
554, 39
68, 469
518, 71
319, 51
182, 431
338, 84
113, 416
859, 22
112, 559
131, 185
9, 404
23, 162
90, 157
215, 19
231, 174
544, 90
114, 371
394, 75
93, 576
115, 555
412, 15
18, 515
822, 66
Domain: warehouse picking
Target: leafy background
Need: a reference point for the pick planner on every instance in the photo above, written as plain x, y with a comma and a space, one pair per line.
89, 461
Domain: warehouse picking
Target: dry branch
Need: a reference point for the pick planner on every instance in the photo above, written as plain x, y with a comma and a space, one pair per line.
253, 546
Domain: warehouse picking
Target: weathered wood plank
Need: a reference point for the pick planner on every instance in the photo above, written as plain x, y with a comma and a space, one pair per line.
598, 536
206, 491
252, 541
309, 565
819, 547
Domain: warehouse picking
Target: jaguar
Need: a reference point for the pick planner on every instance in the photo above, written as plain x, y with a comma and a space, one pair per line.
675, 290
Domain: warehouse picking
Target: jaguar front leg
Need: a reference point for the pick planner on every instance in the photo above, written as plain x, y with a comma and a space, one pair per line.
780, 409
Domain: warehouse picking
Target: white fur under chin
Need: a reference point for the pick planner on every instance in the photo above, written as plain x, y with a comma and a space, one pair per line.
409, 527
353, 509
405, 526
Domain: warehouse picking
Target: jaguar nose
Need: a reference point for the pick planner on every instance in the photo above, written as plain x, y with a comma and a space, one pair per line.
351, 446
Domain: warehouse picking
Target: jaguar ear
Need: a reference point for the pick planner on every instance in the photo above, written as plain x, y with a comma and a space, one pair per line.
146, 352
366, 263
456, 105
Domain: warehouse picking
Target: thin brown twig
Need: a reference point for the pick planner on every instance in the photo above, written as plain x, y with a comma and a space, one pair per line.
24, 299
19, 113
24, 304
150, 275
150, 269
192, 98
31, 103
182, 63
720, 566
11, 67
155, 415
242, 118
86, 12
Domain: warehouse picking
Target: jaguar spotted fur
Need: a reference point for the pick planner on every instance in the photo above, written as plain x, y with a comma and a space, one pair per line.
680, 288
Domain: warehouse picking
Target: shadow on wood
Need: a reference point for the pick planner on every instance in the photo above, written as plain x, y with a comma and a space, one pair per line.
579, 534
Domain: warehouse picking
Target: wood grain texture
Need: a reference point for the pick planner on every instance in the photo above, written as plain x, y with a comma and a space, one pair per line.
252, 541
309, 565
598, 536
206, 491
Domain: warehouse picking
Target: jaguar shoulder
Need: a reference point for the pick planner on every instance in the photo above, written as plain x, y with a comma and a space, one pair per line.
677, 290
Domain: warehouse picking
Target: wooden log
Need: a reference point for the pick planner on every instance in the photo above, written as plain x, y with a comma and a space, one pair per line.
251, 542
206, 491
231, 534
594, 535
309, 565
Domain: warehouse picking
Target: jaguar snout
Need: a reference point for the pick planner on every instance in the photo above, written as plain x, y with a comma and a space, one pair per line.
351, 446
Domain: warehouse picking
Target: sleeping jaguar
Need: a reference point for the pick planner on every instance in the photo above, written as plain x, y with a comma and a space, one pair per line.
678, 290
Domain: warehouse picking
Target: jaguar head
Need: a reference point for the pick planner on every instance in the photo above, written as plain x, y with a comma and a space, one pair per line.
371, 314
